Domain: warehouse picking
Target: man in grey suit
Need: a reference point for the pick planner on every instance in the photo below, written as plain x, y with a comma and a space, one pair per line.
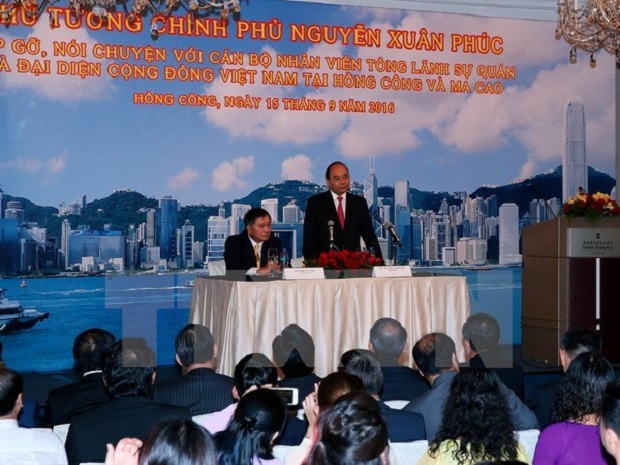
337, 217
435, 358
201, 389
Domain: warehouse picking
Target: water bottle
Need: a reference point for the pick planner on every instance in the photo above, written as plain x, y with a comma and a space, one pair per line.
284, 260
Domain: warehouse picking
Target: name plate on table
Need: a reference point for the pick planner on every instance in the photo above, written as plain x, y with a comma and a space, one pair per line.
593, 242
391, 272
303, 273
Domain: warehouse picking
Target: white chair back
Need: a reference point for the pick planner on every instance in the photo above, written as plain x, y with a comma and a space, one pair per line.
529, 438
280, 452
396, 404
408, 452
61, 431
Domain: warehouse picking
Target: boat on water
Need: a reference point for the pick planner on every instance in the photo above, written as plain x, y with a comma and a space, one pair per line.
23, 283
189, 283
14, 317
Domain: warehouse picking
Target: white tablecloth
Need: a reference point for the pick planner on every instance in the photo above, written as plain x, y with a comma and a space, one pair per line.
246, 316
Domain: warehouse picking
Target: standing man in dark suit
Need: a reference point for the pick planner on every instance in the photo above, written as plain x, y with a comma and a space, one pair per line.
249, 249
337, 217
128, 374
201, 389
89, 349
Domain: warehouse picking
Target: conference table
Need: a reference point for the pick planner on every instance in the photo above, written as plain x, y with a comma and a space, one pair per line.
245, 317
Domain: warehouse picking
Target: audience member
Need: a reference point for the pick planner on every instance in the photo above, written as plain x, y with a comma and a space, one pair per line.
388, 341
254, 371
255, 424
18, 445
610, 419
293, 353
170, 442
476, 423
573, 438
89, 348
128, 374
325, 395
402, 426
352, 432
435, 358
201, 389
573, 343
481, 339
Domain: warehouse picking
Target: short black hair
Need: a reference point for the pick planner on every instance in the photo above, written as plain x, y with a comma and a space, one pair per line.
128, 369
610, 409
90, 347
253, 214
194, 344
293, 351
433, 353
331, 165
482, 331
577, 341
11, 386
388, 338
254, 370
363, 364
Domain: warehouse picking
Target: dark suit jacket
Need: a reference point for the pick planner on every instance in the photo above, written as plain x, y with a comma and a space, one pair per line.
239, 253
75, 398
126, 417
202, 390
357, 222
402, 426
402, 383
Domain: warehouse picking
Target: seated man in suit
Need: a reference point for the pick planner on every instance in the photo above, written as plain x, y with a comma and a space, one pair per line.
249, 249
128, 374
574, 342
481, 340
201, 389
402, 426
435, 358
89, 348
388, 341
336, 218
23, 445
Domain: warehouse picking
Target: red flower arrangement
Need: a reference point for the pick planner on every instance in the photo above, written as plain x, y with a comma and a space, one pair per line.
591, 206
344, 260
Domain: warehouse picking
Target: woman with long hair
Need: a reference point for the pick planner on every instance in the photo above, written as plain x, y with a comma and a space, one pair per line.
170, 442
256, 423
351, 432
476, 424
573, 437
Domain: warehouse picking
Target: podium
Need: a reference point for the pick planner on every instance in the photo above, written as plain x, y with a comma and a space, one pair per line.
571, 279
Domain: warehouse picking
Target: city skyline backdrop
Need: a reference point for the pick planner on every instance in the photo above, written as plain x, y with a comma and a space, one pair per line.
59, 141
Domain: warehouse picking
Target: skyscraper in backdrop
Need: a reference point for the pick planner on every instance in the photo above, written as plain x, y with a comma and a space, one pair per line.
574, 167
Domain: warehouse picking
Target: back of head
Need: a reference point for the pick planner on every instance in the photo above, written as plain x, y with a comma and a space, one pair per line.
178, 442
610, 408
293, 351
482, 331
477, 413
336, 385
259, 415
433, 353
90, 347
128, 368
581, 389
388, 339
254, 370
352, 432
194, 344
11, 386
363, 364
578, 341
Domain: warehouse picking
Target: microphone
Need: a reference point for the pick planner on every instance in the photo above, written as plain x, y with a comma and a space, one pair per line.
390, 227
330, 225
540, 196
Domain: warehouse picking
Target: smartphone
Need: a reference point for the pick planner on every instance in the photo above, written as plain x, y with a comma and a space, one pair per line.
290, 396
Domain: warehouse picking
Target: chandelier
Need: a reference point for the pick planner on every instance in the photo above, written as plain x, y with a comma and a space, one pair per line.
590, 25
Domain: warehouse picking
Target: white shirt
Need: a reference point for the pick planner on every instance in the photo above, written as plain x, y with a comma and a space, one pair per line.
344, 201
29, 446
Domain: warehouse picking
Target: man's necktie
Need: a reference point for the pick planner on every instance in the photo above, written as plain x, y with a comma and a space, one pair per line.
257, 254
340, 212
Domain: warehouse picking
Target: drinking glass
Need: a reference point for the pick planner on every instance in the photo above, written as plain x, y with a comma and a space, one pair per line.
272, 256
